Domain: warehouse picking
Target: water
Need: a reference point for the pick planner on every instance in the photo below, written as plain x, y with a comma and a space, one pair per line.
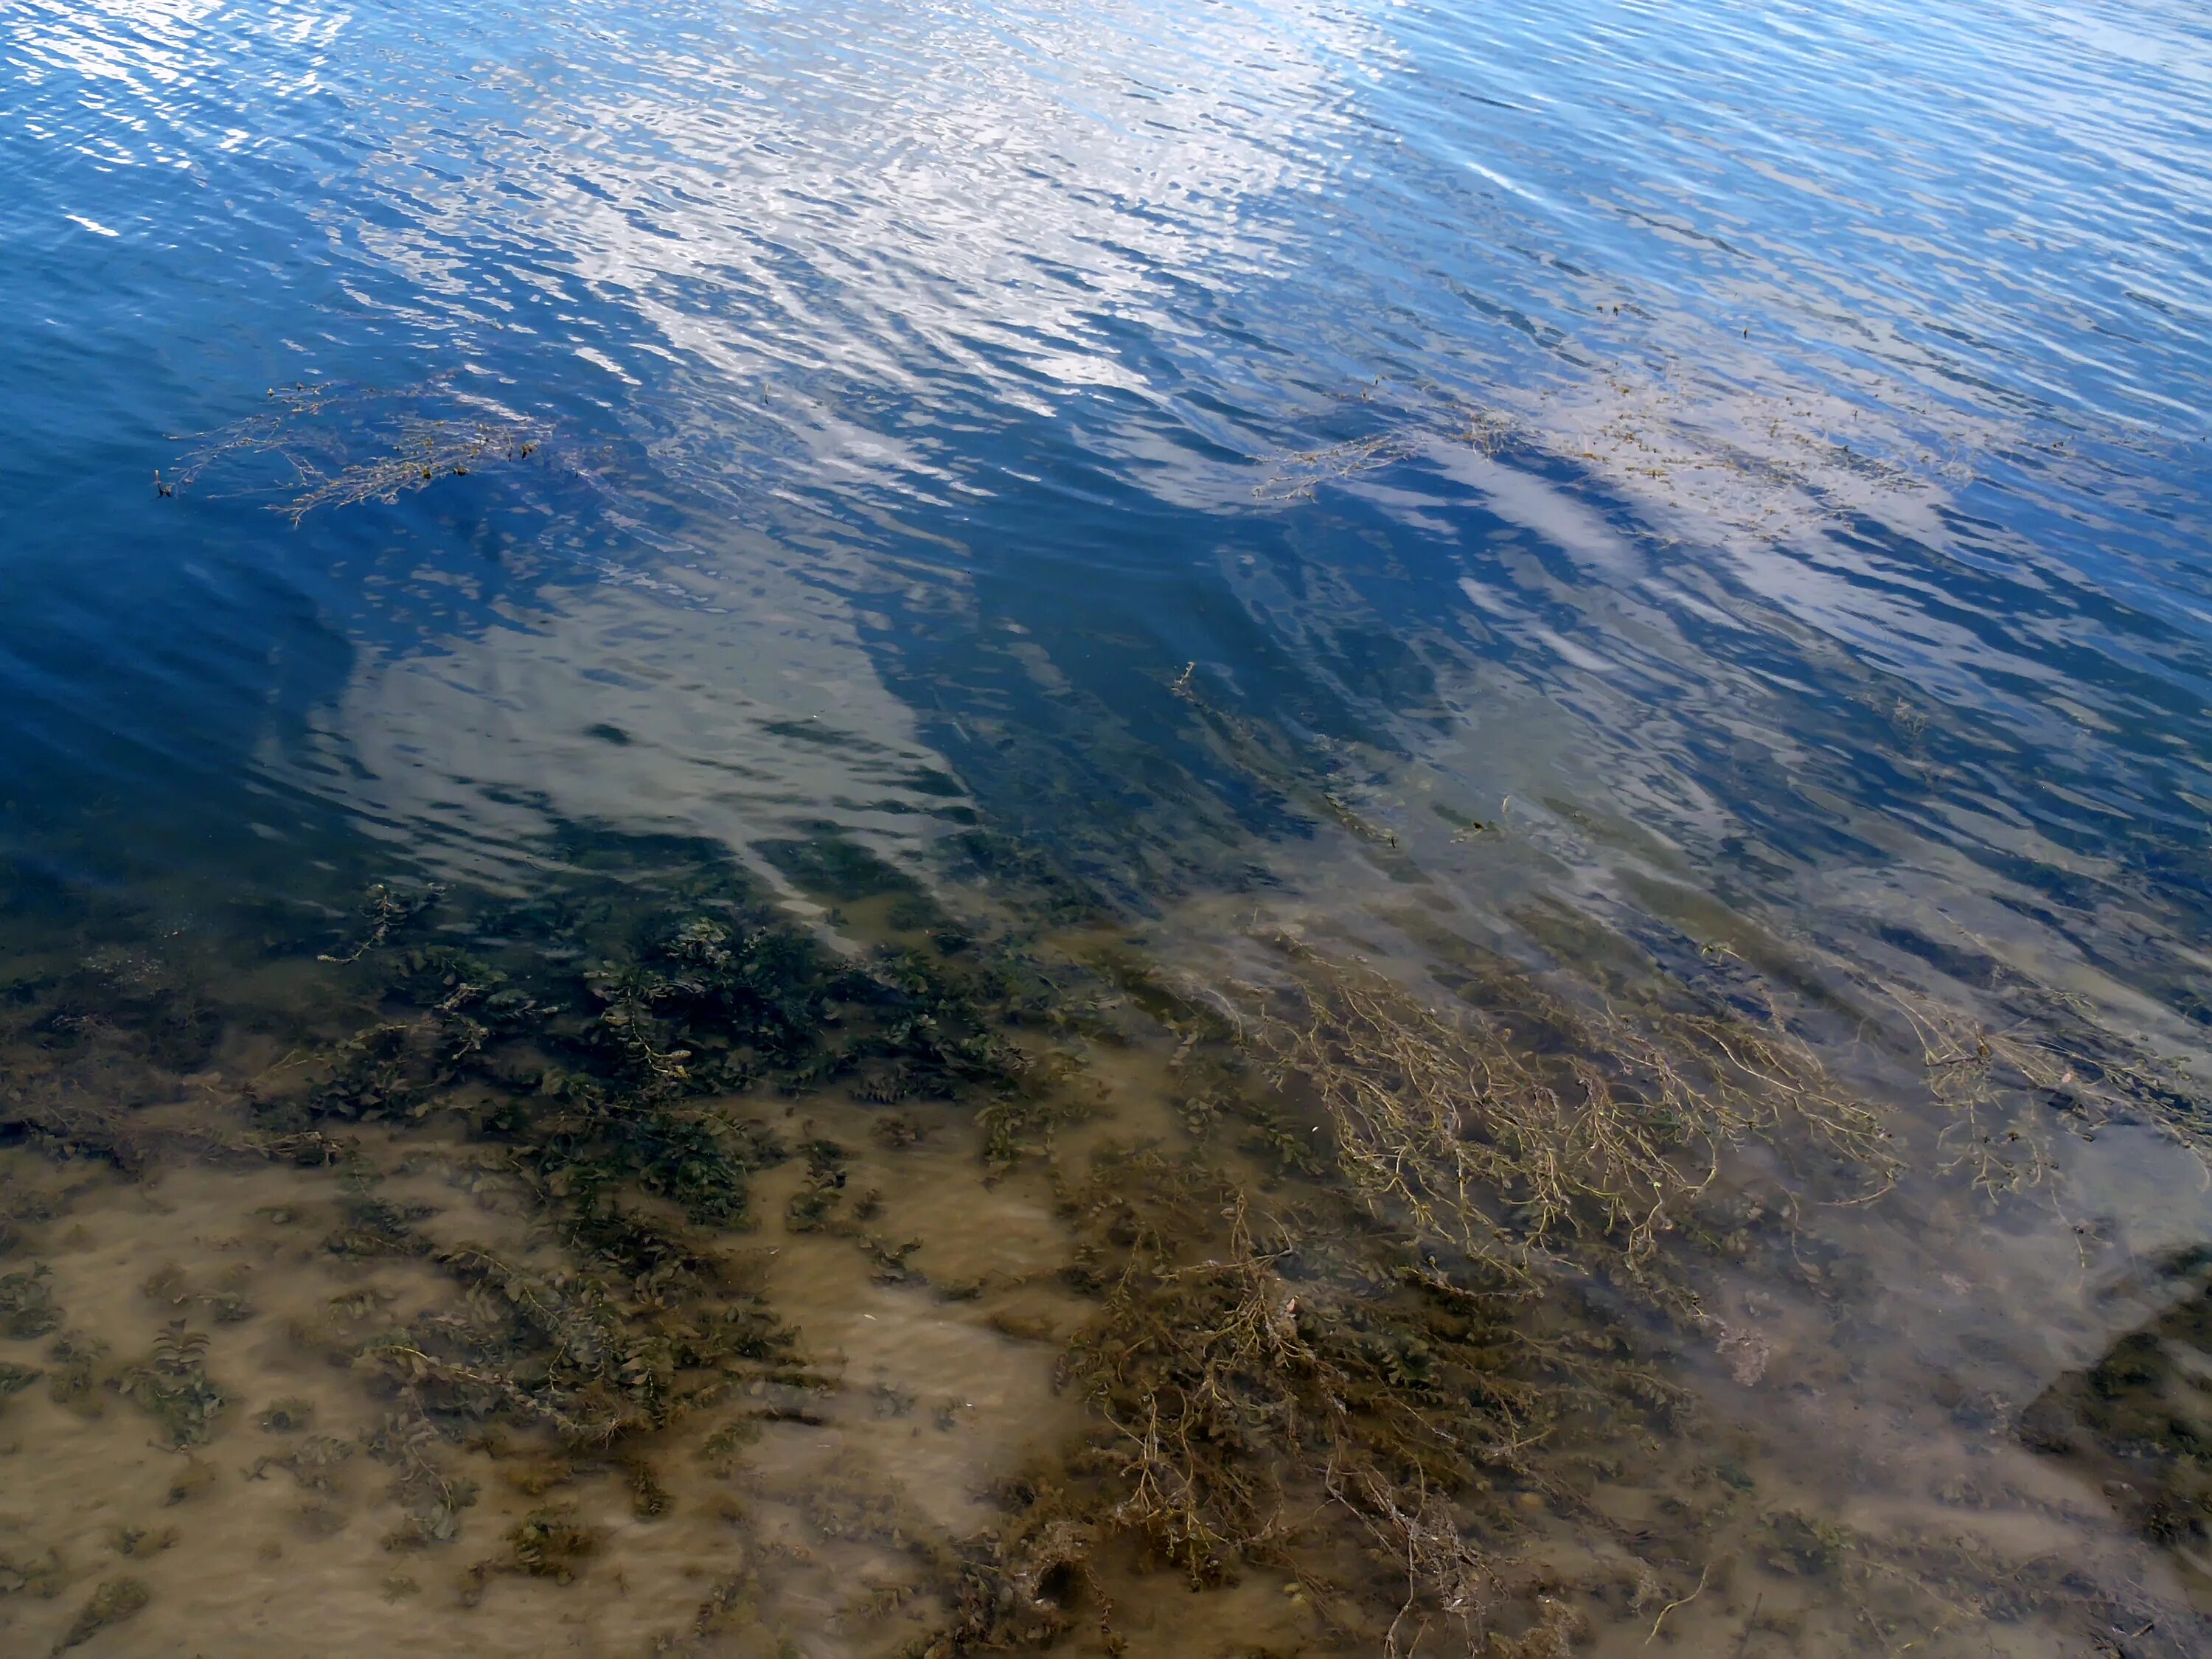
1678, 503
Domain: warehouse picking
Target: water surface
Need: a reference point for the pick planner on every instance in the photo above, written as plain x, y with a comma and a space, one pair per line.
1698, 507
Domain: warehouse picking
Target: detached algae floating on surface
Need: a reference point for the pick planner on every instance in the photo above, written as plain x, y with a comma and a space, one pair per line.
344, 445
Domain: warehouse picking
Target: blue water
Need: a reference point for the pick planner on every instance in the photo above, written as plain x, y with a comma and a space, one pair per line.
1867, 348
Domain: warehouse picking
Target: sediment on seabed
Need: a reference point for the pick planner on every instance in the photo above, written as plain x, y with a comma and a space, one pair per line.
635, 1264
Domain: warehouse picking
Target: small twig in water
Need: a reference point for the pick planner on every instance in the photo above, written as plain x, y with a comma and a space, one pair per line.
1671, 1606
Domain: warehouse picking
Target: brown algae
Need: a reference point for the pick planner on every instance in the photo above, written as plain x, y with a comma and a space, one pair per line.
629, 1267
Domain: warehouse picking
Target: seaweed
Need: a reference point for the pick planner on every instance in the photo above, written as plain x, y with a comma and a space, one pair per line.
20, 1207
830, 864
373, 1227
430, 1497
345, 444
314, 1463
898, 1131
1528, 1131
227, 1304
1015, 1586
1292, 775
2003, 1085
383, 911
720, 1450
28, 1308
1405, 1288
2140, 1417
291, 1415
171, 1385
1290, 1389
649, 1332
75, 1360
548, 1543
45, 1579
1226, 1385
190, 1480
111, 1001
813, 1208
888, 1261
731, 1611
613, 1061
139, 1542
115, 1601
1035, 881
648, 1499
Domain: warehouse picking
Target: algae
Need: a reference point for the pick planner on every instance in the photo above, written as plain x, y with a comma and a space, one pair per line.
27, 1305
114, 1601
343, 444
1369, 1309
171, 1385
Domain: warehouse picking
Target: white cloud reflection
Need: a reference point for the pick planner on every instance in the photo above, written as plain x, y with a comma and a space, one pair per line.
830, 226
817, 203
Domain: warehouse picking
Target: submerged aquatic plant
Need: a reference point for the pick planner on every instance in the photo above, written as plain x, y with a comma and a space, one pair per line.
28, 1308
172, 1384
115, 1601
548, 1543
1359, 1331
75, 1358
1529, 1132
2003, 1084
14, 1378
1281, 1384
430, 1496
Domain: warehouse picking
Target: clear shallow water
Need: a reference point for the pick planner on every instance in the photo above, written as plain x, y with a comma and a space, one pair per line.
1753, 463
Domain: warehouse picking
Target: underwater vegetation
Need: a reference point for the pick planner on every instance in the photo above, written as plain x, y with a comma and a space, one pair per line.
1524, 1130
171, 1385
2139, 1419
1386, 1306
115, 1601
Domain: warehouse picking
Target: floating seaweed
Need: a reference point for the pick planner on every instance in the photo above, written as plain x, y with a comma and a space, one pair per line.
343, 444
